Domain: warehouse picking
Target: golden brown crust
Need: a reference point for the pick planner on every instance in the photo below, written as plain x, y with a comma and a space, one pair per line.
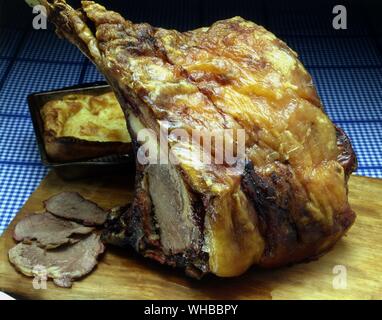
79, 126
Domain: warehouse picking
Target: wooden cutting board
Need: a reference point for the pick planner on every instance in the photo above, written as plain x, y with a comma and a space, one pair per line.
122, 274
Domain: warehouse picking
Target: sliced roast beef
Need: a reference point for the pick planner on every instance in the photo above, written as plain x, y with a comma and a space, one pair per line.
72, 206
63, 264
48, 230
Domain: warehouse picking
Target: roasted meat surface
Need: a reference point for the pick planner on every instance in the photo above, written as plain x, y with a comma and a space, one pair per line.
288, 204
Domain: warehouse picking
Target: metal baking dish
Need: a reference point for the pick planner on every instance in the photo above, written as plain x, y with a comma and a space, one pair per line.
113, 164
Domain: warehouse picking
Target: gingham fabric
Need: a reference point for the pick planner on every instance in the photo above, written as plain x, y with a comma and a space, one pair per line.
346, 66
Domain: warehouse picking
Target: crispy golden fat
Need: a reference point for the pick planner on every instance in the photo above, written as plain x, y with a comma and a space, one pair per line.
291, 203
87, 117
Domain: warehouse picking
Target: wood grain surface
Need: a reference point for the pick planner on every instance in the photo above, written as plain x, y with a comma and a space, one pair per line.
122, 274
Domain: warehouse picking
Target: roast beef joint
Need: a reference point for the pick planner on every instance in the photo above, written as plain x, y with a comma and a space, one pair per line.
288, 203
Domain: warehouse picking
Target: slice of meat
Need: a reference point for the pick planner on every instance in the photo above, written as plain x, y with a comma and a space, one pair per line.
72, 206
63, 265
48, 230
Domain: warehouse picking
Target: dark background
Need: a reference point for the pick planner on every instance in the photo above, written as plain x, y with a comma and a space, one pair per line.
346, 66
288, 17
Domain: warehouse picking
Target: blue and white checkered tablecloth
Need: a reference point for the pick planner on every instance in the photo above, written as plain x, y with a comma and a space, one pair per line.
346, 67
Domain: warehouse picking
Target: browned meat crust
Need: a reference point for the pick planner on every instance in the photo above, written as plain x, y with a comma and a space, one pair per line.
290, 232
346, 156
